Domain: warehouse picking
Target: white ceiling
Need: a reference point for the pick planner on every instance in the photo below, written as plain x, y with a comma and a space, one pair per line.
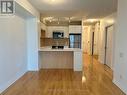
75, 8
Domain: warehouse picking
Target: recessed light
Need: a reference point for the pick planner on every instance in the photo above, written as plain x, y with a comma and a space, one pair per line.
111, 21
52, 0
91, 20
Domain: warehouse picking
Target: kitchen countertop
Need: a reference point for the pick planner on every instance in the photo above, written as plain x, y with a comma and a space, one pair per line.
65, 49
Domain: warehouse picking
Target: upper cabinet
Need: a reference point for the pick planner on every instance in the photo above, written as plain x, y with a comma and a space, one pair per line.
64, 29
51, 29
75, 29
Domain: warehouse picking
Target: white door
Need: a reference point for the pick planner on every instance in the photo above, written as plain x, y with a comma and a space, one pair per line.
109, 46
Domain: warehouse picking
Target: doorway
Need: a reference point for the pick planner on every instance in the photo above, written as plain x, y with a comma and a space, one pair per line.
109, 46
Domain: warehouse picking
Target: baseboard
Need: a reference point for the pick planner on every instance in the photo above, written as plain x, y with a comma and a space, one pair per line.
10, 82
34, 70
120, 86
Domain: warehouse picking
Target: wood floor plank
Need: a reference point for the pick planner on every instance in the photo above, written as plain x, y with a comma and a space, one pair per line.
96, 79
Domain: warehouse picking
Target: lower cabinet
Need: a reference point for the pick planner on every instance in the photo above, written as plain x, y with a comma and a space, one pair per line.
61, 60
78, 66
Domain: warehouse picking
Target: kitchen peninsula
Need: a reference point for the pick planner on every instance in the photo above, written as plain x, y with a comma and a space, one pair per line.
66, 58
55, 52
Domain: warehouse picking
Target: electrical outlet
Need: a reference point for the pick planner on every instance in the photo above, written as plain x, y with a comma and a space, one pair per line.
121, 77
121, 55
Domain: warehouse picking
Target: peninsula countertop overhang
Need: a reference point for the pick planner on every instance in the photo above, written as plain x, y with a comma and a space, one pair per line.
65, 49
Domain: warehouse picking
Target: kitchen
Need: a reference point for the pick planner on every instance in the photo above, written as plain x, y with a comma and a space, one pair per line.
60, 45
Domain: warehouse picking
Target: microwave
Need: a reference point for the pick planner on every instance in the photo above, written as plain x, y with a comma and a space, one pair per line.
58, 35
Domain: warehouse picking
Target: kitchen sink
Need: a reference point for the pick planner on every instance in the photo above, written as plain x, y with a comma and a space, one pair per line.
57, 47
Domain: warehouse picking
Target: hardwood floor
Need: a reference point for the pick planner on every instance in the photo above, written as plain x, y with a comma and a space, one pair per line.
96, 79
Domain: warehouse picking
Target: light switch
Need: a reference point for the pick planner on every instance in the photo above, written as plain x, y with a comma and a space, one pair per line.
121, 55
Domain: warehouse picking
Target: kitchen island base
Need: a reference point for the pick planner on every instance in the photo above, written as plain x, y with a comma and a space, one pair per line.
56, 60
60, 59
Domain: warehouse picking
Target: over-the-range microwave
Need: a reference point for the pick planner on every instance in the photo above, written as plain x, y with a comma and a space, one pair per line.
58, 35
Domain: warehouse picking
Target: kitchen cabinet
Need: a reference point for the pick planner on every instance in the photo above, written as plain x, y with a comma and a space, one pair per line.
67, 58
78, 61
51, 29
75, 29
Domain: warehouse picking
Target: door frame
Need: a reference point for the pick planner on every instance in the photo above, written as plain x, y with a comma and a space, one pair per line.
106, 37
93, 36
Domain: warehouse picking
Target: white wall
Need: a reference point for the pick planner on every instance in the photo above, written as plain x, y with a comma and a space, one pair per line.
19, 43
26, 5
90, 40
85, 38
51, 29
107, 21
33, 30
43, 27
32, 44
13, 50
96, 39
120, 67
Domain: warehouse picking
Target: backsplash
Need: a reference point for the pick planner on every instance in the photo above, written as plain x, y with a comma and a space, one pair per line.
54, 42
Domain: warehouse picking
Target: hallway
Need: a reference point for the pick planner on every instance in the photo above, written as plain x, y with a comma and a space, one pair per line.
98, 81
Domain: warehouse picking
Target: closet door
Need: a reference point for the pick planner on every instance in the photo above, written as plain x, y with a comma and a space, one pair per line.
109, 46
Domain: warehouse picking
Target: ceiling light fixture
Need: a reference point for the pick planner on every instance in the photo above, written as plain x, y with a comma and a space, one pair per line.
69, 20
50, 20
91, 20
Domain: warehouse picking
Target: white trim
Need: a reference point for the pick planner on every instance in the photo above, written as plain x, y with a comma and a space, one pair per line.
11, 81
117, 83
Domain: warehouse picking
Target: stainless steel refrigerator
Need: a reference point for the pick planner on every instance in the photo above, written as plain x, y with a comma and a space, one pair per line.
75, 40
